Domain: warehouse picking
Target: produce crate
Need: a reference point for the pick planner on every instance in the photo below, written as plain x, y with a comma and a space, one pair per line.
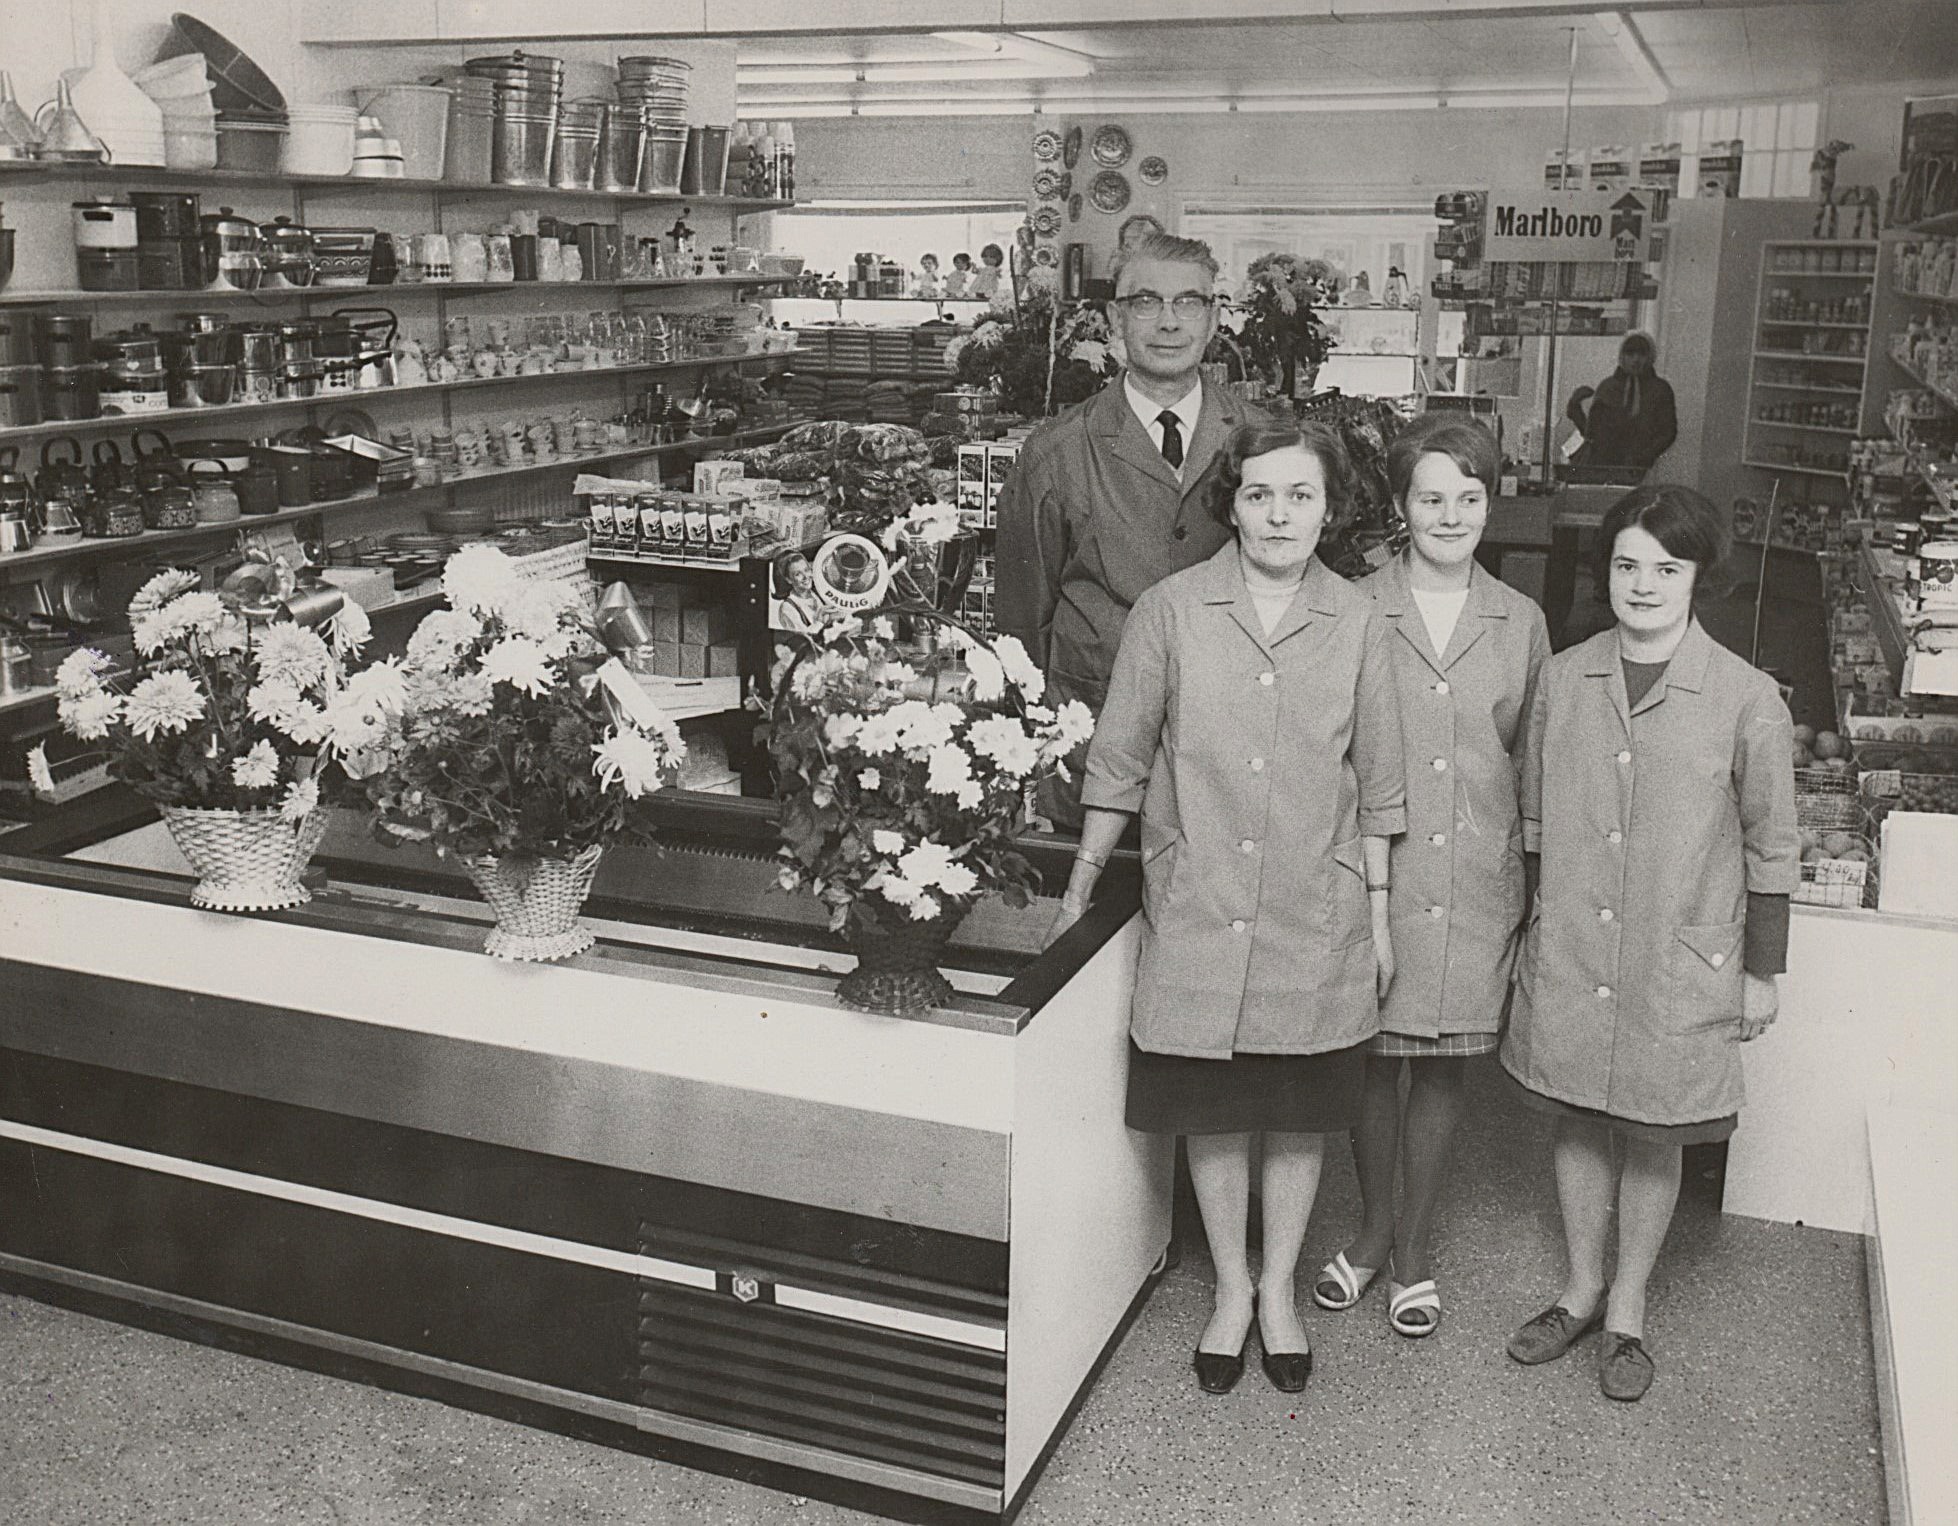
1834, 881
1826, 799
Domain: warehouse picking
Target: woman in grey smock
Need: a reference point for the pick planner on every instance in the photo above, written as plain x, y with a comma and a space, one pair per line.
1251, 722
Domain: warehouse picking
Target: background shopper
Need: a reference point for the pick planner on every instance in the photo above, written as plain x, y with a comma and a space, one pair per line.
1628, 420
1657, 787
1251, 721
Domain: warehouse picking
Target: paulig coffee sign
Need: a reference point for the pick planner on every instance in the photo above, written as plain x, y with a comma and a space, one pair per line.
1587, 227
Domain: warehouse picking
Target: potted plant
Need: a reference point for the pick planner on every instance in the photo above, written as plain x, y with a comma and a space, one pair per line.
1281, 331
517, 748
227, 724
903, 778
1041, 357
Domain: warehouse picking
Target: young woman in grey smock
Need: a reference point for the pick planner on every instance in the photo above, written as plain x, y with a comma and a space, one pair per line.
1658, 789
1466, 652
1251, 721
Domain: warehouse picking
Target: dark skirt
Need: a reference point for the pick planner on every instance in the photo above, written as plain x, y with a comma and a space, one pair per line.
1247, 1093
1710, 1131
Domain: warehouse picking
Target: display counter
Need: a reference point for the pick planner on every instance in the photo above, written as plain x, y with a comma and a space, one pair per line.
670, 1194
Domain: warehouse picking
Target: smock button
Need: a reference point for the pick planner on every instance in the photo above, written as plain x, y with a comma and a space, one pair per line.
1442, 687
1439, 838
1718, 960
1604, 991
1605, 914
1181, 532
1440, 765
1624, 757
1257, 765
1247, 846
1435, 912
1237, 927
1614, 836
1267, 679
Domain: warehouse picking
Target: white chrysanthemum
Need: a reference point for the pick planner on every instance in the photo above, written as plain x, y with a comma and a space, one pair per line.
301, 800
870, 779
923, 909
199, 613
291, 652
160, 590
355, 722
924, 863
922, 725
883, 840
164, 702
521, 663
440, 636
631, 760
896, 889
229, 635
957, 880
950, 770
152, 629
1005, 741
81, 672
471, 694
89, 716
1075, 722
257, 769
39, 775
537, 610
841, 730
350, 629
481, 580
988, 675
883, 629
306, 723
383, 685
1026, 676
274, 701
880, 734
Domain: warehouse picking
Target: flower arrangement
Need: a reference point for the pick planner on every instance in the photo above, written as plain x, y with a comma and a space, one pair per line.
499, 738
224, 713
1281, 331
902, 786
1042, 357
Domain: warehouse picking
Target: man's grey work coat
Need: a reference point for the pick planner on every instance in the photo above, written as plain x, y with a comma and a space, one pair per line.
1654, 823
1257, 764
1457, 897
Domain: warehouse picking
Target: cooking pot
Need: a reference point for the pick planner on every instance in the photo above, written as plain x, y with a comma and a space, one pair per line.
64, 339
71, 392
375, 330
17, 340
135, 349
201, 347
20, 396
301, 378
16, 530
234, 254
234, 454
258, 487
104, 225
298, 340
258, 349
288, 253
293, 466
163, 215
203, 386
212, 492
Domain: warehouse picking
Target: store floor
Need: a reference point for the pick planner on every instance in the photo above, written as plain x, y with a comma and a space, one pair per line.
1764, 1410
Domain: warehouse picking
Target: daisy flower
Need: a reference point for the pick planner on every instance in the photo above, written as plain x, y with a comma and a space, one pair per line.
1005, 741
160, 590
81, 672
164, 702
1026, 676
521, 663
302, 798
293, 653
481, 580
870, 779
89, 716
886, 841
631, 760
923, 864
350, 629
440, 636
39, 775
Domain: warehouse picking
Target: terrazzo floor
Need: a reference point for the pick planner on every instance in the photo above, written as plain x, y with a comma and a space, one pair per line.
1764, 1410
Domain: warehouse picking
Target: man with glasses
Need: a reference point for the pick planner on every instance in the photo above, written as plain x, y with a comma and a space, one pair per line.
1108, 498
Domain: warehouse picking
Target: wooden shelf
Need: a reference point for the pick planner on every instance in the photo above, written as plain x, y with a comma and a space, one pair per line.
1801, 387
141, 175
1806, 428
283, 294
696, 564
1840, 474
140, 545
170, 417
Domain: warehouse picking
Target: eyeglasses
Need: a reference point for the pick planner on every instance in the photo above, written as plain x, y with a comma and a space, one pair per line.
1188, 306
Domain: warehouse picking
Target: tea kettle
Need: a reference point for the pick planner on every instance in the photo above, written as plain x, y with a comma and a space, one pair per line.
19, 510
63, 486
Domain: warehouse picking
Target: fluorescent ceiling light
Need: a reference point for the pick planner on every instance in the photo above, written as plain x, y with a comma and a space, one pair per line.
945, 71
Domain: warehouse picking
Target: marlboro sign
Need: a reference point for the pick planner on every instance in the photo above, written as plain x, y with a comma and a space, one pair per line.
1569, 227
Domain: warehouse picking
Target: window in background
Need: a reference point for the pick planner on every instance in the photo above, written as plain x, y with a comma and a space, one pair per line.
829, 238
1778, 139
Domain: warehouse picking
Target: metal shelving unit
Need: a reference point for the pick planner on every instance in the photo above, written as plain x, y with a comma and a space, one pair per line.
1766, 437
275, 295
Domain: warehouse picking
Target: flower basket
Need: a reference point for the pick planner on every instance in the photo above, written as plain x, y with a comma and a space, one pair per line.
245, 860
897, 961
536, 901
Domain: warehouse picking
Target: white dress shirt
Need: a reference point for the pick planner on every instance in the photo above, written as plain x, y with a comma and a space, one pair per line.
1186, 409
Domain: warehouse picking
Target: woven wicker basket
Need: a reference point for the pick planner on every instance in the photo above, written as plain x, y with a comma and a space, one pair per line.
897, 962
245, 860
536, 901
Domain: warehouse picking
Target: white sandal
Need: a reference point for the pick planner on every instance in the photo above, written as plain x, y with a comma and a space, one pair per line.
1352, 1282
1402, 1301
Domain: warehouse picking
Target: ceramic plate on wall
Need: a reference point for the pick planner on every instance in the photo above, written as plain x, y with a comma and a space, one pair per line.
1047, 144
1045, 255
1152, 171
1111, 147
1110, 192
1046, 221
1047, 183
1074, 208
1071, 154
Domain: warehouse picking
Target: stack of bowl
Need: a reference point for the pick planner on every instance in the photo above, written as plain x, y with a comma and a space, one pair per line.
181, 86
654, 91
528, 91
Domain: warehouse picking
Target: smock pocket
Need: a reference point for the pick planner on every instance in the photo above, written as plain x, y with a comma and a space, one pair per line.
1159, 855
1348, 917
1706, 984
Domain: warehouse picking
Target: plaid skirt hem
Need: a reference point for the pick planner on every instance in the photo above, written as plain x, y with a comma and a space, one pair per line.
1412, 1046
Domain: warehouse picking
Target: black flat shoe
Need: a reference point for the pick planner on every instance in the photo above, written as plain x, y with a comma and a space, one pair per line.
1218, 1374
1287, 1370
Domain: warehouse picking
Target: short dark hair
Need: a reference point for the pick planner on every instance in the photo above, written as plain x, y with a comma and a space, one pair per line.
1639, 343
1261, 438
1455, 435
961, 261
778, 572
1165, 247
992, 254
1685, 522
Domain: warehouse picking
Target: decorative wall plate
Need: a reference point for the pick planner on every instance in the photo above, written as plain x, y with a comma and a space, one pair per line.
1045, 255
1111, 147
1046, 221
1074, 208
1110, 191
1047, 144
1071, 154
1152, 171
1047, 182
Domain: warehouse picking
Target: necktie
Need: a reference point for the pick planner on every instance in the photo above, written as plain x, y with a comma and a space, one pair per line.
1172, 439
